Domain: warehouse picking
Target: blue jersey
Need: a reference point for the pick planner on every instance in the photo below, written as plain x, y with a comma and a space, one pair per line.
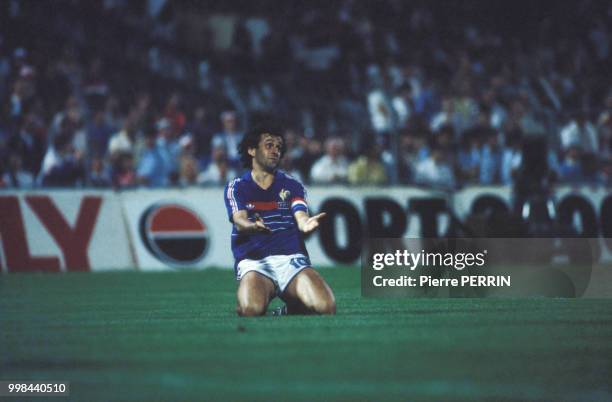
276, 207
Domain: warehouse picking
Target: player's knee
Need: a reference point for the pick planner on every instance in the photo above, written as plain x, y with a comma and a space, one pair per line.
325, 306
251, 309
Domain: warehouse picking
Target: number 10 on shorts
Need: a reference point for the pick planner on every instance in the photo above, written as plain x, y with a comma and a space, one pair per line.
299, 262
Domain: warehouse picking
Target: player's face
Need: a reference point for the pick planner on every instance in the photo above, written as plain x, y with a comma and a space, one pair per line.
269, 152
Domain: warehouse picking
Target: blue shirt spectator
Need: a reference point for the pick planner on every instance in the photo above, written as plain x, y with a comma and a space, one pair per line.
490, 163
230, 137
570, 169
169, 151
152, 169
510, 161
468, 159
490, 166
98, 134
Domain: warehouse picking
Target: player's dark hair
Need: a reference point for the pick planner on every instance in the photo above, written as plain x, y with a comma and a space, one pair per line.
261, 124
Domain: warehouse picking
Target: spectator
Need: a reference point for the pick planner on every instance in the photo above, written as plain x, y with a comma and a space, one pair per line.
570, 169
142, 113
95, 86
523, 118
63, 165
332, 167
581, 133
200, 129
175, 115
491, 161
219, 171
444, 117
368, 169
123, 173
169, 148
604, 128
287, 165
17, 103
293, 145
402, 105
112, 115
469, 159
188, 164
605, 175
153, 170
122, 141
312, 152
15, 176
481, 129
98, 134
189, 172
511, 157
380, 111
465, 109
289, 161
98, 175
497, 111
71, 117
230, 137
408, 157
29, 142
435, 171
445, 140
591, 168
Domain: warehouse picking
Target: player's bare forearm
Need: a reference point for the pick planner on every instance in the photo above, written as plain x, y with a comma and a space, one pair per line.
301, 217
306, 223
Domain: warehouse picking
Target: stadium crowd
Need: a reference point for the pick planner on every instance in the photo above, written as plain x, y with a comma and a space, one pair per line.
373, 93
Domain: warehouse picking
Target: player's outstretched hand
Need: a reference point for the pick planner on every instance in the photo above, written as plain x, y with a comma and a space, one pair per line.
312, 223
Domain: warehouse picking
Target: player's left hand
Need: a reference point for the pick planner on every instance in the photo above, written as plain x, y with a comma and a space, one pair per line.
312, 223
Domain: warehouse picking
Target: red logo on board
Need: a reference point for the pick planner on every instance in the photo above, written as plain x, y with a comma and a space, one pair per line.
174, 233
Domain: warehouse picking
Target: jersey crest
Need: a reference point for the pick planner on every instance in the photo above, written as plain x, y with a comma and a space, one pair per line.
284, 194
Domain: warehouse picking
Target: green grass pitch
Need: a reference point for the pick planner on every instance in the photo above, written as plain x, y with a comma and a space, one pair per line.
175, 336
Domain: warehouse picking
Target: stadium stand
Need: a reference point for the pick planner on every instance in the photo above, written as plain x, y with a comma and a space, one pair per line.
124, 94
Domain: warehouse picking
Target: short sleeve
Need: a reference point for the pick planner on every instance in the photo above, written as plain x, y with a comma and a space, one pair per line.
298, 198
234, 200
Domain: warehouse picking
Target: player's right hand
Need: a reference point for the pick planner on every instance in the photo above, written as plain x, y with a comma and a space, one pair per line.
260, 226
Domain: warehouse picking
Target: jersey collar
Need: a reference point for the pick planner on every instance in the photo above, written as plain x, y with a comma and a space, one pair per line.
247, 176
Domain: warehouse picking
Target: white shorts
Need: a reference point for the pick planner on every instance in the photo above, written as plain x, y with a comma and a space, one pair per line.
281, 269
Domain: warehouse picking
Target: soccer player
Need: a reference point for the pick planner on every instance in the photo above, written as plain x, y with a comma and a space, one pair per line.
269, 214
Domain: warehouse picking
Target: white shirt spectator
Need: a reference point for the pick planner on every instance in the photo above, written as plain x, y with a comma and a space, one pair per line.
380, 111
213, 175
584, 137
498, 117
402, 110
333, 166
50, 160
120, 143
328, 169
439, 120
436, 174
